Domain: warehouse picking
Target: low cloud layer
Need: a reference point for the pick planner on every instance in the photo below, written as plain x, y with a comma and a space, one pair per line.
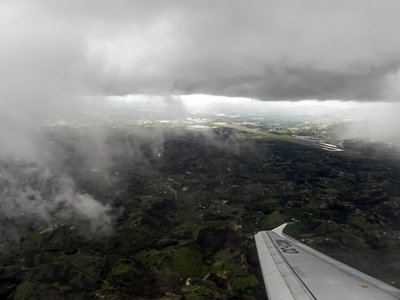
33, 193
67, 176
35, 197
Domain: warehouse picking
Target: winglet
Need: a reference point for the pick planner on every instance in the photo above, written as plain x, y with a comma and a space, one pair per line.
279, 230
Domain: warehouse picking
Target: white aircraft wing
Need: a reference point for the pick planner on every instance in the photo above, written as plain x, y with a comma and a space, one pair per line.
292, 271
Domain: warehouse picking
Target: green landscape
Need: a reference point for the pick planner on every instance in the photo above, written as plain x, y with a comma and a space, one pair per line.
185, 214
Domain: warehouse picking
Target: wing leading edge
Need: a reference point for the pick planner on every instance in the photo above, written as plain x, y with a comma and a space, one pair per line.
294, 271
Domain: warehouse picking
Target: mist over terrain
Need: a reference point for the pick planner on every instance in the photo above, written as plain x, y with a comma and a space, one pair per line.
41, 188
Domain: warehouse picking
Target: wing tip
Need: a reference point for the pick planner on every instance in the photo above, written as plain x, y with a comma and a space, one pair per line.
279, 230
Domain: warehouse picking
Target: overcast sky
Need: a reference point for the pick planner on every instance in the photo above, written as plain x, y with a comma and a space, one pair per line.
53, 50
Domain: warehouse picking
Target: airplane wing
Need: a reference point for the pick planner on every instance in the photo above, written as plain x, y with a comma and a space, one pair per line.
294, 271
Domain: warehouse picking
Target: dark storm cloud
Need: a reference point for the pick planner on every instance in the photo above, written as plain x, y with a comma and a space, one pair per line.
52, 50
296, 83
